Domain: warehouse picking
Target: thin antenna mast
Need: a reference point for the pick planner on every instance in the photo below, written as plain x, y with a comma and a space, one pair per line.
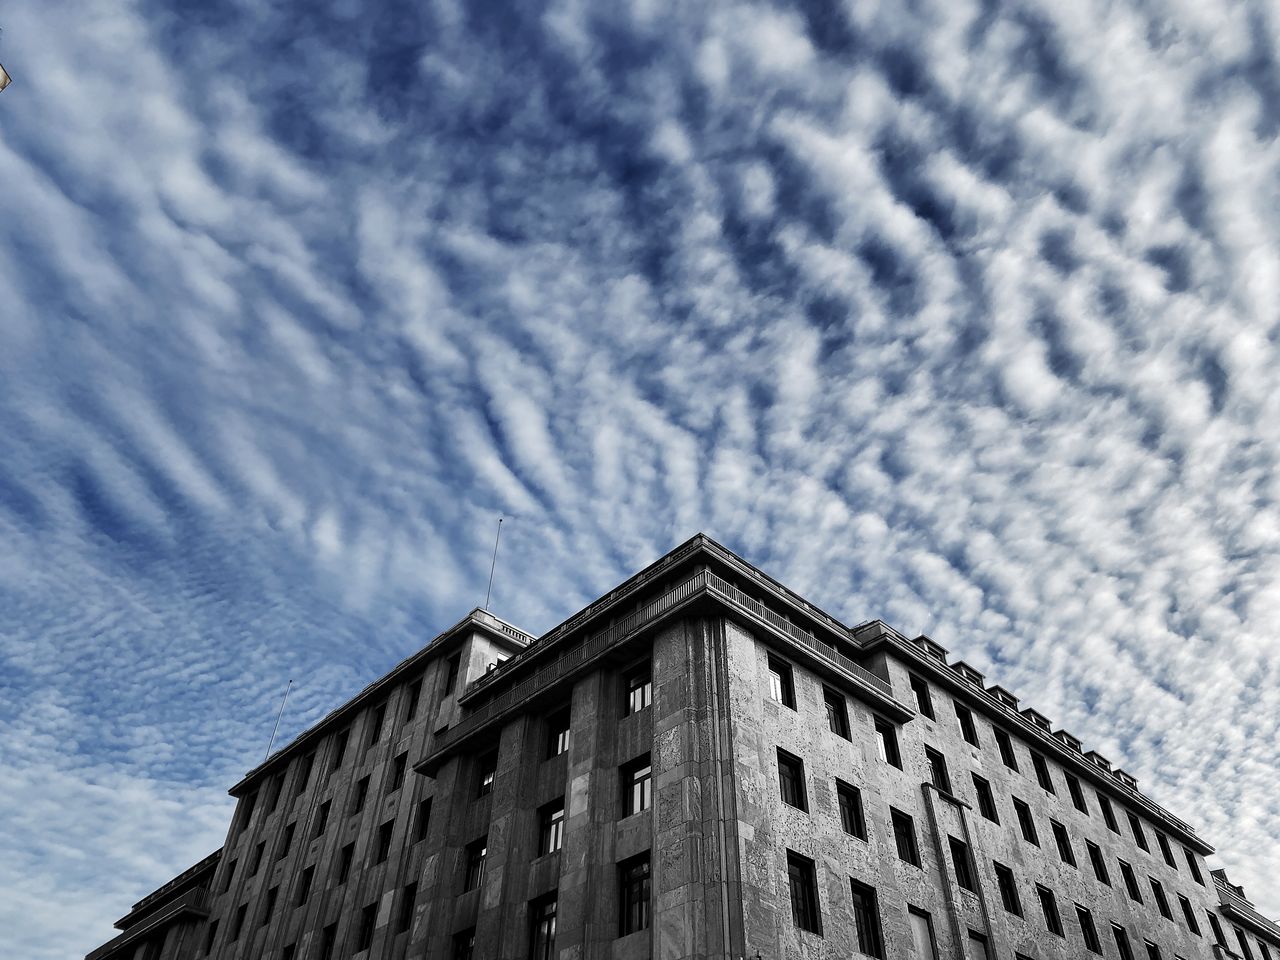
283, 701
493, 565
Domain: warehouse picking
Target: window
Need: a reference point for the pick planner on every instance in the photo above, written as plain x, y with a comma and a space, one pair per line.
1153, 951
937, 770
274, 788
339, 750
304, 886
1138, 834
328, 940
364, 932
637, 785
542, 928
345, 856
322, 820
1266, 953
1122, 942
1025, 822
1108, 814
375, 725
1087, 929
1077, 794
837, 712
791, 780
1193, 866
408, 901
422, 820
1008, 888
213, 935
968, 729
1007, 756
1042, 772
1063, 841
962, 864
1244, 944
1157, 891
452, 668
904, 835
1130, 882
849, 799
304, 774
922, 934
1215, 927
1189, 915
633, 895
557, 734
781, 686
230, 874
474, 858
237, 923
551, 827
1165, 852
246, 811
978, 946
986, 800
866, 919
924, 702
639, 687
411, 700
803, 879
362, 792
396, 780
464, 944
269, 905
286, 842
259, 852
887, 742
1099, 864
486, 770
1049, 906
383, 849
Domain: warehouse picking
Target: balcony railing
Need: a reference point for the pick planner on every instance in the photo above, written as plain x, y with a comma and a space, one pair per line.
198, 902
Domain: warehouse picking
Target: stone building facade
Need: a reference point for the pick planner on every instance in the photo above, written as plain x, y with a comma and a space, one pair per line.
700, 764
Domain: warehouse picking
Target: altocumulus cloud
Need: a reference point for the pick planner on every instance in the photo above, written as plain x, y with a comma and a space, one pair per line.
958, 314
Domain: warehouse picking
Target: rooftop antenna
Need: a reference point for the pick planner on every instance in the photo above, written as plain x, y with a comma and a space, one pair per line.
489, 589
283, 701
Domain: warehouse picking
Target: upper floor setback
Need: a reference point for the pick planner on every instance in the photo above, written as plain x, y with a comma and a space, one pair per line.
1237, 908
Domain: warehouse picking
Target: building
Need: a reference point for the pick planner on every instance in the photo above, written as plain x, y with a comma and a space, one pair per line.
699, 764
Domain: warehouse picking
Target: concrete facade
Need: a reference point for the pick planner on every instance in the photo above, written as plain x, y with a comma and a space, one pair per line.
362, 838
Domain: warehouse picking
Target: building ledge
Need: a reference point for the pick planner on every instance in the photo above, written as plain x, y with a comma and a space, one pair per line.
195, 902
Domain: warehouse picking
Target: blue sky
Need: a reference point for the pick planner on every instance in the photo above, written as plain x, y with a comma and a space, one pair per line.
957, 314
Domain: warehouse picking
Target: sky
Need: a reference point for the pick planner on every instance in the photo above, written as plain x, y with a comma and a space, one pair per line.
961, 314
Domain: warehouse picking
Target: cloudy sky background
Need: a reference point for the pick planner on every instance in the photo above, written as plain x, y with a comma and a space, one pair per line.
958, 314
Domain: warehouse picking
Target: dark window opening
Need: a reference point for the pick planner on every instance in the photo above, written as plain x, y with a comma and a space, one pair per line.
639, 687
791, 780
781, 683
866, 919
887, 742
849, 799
837, 712
904, 835
938, 775
968, 729
805, 910
924, 702
637, 785
962, 864
633, 895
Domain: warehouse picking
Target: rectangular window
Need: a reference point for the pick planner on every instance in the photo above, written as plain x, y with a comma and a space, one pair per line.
375, 725
887, 742
1042, 772
1130, 882
922, 934
411, 695
237, 923
551, 827
1157, 891
837, 712
1108, 815
1193, 866
269, 906
1189, 915
1099, 864
474, 859
1008, 888
464, 944
1266, 952
322, 820
542, 928
486, 770
361, 794
1153, 951
213, 935
866, 919
286, 842
978, 946
791, 780
1122, 942
637, 785
408, 901
1025, 822
338, 751
1063, 842
904, 835
557, 734
1077, 794
304, 886
968, 729
803, 878
259, 852
1244, 944
230, 873
962, 865
924, 702
396, 780
304, 774
422, 820
452, 668
986, 799
274, 788
364, 931
849, 799
1007, 756
1087, 929
328, 940
633, 895
639, 686
1165, 852
1139, 835
1049, 906
383, 847
781, 685
345, 856
938, 775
